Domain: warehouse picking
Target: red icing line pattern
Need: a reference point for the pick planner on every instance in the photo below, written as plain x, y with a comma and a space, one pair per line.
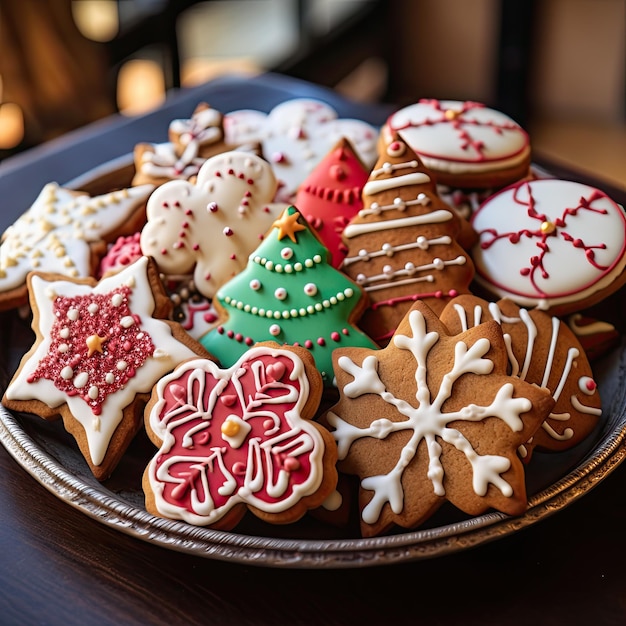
545, 231
96, 346
462, 125
231, 436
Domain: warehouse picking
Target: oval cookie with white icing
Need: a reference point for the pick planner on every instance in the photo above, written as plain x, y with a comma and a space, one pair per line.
466, 144
553, 244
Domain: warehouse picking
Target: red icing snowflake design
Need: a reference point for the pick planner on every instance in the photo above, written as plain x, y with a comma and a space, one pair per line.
234, 436
547, 229
469, 130
96, 346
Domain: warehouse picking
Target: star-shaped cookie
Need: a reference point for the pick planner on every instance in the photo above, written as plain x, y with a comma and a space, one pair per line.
60, 233
99, 350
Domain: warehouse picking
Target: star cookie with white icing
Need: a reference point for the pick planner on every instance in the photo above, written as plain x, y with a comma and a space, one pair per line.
63, 232
99, 350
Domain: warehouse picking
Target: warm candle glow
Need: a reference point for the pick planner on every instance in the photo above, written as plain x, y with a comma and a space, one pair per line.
11, 125
96, 19
140, 86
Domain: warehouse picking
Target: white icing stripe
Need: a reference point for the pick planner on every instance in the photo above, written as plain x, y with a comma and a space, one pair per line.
376, 186
398, 204
388, 168
590, 410
391, 250
354, 230
437, 264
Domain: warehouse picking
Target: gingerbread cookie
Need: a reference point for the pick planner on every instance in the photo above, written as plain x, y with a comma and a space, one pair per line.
331, 195
297, 134
191, 142
65, 231
543, 351
402, 245
239, 438
99, 349
291, 294
465, 144
553, 244
209, 228
433, 417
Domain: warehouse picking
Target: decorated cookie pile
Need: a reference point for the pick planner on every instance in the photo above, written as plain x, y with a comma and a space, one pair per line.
330, 320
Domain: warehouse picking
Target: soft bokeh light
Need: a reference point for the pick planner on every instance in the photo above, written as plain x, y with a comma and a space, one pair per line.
140, 86
11, 125
96, 19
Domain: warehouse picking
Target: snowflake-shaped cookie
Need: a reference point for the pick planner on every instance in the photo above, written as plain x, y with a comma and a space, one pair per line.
448, 432
210, 227
238, 438
296, 135
59, 231
554, 244
98, 347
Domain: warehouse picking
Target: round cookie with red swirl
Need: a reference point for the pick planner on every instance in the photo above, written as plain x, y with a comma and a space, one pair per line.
238, 439
558, 245
466, 145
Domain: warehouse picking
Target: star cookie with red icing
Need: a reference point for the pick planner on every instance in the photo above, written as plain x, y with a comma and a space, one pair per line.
239, 439
99, 349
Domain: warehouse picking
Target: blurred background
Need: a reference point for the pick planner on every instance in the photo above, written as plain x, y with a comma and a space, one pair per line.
556, 66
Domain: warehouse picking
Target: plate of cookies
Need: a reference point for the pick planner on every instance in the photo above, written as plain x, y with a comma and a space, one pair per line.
293, 340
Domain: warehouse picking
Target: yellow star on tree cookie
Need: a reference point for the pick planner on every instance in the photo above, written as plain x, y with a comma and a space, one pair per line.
288, 226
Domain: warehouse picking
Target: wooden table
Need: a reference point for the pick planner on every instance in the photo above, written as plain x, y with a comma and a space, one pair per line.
58, 566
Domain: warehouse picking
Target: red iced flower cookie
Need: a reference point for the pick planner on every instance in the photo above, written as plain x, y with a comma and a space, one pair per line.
239, 438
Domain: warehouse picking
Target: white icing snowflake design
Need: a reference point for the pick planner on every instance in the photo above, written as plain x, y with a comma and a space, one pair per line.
427, 420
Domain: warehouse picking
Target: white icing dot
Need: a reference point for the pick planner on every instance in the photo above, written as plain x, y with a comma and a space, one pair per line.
280, 293
310, 289
63, 348
438, 264
72, 314
274, 330
67, 372
587, 385
117, 299
93, 392
81, 380
93, 308
286, 253
127, 321
121, 365
64, 333
109, 378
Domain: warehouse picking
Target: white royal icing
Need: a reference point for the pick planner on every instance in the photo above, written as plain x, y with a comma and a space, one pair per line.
549, 242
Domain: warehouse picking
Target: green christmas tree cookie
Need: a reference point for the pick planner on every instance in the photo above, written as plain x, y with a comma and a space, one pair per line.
288, 293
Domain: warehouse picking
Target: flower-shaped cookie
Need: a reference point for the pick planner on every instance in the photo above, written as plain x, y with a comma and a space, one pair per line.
239, 438
210, 227
433, 417
60, 233
99, 350
296, 135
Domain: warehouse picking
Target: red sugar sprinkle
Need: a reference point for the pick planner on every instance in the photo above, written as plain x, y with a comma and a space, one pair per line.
321, 341
335, 336
308, 344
